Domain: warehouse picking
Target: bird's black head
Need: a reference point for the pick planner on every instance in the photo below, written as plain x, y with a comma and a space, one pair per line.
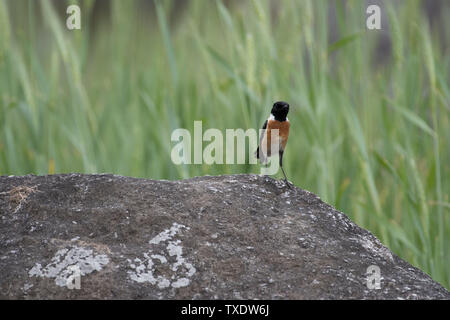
280, 110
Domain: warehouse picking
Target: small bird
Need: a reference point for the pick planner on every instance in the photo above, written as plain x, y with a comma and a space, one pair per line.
277, 120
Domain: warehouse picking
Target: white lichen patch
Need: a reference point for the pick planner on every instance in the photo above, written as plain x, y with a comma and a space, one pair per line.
167, 234
214, 190
375, 247
60, 266
165, 256
182, 282
27, 286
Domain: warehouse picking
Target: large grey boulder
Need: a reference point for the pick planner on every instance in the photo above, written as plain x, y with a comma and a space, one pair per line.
224, 237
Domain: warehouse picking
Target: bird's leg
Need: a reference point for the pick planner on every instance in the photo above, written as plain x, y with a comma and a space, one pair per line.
281, 165
285, 179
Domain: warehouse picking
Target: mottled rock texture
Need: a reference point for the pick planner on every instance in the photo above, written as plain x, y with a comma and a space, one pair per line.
224, 237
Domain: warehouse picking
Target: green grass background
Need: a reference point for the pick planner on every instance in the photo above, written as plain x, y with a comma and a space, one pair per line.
369, 137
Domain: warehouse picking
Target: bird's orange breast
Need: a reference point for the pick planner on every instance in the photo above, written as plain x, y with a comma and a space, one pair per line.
283, 131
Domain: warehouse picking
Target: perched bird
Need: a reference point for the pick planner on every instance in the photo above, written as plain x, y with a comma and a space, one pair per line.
277, 120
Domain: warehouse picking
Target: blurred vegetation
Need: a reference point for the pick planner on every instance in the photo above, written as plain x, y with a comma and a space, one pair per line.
370, 132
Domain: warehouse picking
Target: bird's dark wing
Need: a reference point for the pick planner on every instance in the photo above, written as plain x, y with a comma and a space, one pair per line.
260, 139
264, 125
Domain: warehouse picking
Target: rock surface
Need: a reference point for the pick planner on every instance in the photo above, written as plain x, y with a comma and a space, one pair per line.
224, 237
